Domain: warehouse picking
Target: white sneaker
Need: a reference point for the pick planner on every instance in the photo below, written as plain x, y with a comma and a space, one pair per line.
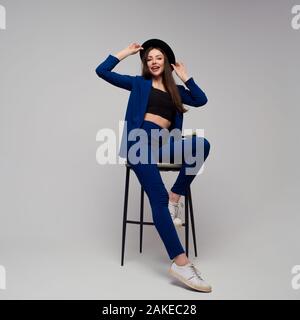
189, 275
175, 209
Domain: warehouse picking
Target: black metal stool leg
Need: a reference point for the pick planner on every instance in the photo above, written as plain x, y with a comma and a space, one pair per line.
141, 219
125, 213
186, 225
192, 220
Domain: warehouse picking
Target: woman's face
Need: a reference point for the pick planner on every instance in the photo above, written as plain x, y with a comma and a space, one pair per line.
155, 62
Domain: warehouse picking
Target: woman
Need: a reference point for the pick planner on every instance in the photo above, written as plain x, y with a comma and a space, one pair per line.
156, 102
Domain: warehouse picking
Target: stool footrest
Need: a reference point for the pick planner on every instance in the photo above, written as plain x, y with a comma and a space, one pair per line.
145, 222
138, 222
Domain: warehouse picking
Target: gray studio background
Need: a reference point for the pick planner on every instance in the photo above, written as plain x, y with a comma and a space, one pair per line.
61, 212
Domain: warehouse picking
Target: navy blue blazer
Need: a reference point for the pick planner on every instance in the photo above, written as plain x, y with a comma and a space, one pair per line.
140, 90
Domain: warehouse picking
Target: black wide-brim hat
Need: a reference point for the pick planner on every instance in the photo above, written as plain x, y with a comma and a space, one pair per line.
157, 43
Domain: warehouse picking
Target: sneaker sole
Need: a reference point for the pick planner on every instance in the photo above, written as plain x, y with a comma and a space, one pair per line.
177, 225
182, 279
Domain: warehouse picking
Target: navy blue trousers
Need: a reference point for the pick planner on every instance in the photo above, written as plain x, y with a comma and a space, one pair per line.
149, 177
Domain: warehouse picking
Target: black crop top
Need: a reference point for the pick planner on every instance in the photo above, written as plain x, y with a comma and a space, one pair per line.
160, 103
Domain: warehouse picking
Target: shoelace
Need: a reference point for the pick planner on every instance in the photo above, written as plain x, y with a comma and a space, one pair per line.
178, 206
195, 272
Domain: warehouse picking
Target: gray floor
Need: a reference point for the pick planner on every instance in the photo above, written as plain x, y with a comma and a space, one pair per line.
249, 263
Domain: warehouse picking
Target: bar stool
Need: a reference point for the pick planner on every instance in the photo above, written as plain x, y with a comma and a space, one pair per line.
141, 222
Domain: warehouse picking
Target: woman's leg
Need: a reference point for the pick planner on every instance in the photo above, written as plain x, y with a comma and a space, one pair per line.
150, 178
196, 147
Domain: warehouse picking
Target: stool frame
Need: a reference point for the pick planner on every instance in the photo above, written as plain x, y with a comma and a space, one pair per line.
141, 222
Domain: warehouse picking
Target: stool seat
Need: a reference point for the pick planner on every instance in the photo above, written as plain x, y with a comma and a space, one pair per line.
162, 166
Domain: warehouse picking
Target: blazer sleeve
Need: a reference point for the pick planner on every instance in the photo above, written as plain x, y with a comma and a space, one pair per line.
120, 80
193, 96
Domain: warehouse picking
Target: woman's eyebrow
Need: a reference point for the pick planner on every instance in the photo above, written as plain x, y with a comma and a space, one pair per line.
156, 55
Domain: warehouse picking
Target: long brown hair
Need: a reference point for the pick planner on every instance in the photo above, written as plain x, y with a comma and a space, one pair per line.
167, 79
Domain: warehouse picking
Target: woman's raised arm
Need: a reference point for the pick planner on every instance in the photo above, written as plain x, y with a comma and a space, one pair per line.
120, 80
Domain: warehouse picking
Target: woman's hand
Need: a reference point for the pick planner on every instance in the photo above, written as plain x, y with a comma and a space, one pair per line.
133, 48
180, 71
